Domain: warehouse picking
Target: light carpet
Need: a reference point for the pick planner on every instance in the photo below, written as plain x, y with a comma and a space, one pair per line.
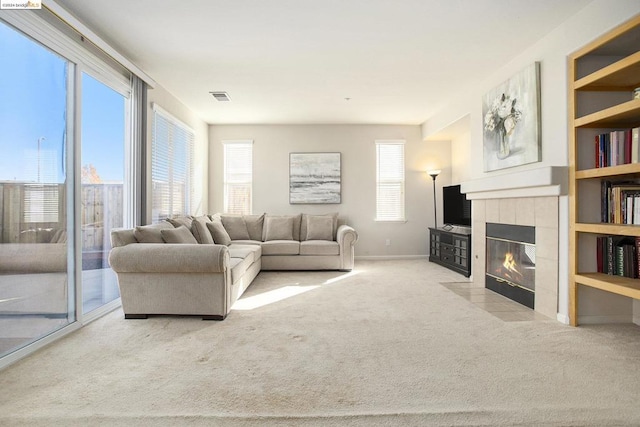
384, 345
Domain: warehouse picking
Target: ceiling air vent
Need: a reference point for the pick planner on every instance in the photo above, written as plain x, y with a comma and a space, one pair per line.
221, 96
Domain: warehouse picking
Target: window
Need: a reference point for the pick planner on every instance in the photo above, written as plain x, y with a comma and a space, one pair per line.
390, 181
238, 176
171, 166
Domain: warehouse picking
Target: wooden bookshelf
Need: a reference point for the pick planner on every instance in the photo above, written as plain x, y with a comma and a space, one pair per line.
621, 75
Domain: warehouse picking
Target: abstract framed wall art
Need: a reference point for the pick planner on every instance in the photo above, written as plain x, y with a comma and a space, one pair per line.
511, 121
314, 178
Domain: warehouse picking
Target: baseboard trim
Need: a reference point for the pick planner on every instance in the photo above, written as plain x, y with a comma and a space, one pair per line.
562, 318
389, 257
595, 320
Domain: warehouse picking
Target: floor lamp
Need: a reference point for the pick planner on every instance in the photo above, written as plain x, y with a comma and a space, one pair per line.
434, 174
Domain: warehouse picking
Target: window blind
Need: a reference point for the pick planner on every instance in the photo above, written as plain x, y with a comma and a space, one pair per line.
390, 181
41, 202
171, 166
238, 176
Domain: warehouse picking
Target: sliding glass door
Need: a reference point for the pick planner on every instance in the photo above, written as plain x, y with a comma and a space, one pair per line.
102, 194
36, 259
66, 181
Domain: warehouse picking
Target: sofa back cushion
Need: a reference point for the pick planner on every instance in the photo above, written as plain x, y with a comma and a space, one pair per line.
317, 221
278, 228
179, 220
151, 233
178, 235
319, 228
218, 232
255, 224
122, 237
235, 226
200, 231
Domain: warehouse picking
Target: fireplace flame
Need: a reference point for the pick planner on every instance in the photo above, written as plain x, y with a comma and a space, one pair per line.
509, 268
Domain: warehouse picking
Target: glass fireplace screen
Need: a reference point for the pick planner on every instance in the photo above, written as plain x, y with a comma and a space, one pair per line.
513, 262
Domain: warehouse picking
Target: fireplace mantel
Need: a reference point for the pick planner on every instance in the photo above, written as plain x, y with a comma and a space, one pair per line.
539, 182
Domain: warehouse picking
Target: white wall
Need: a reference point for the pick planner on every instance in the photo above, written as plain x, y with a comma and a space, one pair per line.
273, 143
173, 106
551, 51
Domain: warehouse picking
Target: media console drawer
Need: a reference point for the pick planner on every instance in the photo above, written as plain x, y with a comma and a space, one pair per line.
451, 248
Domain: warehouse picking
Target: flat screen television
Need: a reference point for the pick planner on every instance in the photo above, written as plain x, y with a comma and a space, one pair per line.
455, 206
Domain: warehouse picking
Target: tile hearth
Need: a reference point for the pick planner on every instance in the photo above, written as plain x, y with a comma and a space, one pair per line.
495, 304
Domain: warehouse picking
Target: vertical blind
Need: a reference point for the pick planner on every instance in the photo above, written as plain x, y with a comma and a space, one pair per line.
238, 176
171, 166
390, 180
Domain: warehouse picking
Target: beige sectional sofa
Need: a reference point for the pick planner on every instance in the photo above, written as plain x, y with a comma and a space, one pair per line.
202, 265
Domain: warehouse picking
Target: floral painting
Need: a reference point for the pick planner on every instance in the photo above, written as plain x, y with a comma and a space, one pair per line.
511, 121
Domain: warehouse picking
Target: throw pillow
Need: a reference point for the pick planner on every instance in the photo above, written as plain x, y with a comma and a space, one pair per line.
319, 228
303, 225
219, 234
151, 233
278, 228
255, 224
178, 235
236, 227
185, 220
200, 231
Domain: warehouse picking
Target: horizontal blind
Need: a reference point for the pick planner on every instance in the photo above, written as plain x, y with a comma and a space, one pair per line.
390, 181
41, 202
171, 166
238, 176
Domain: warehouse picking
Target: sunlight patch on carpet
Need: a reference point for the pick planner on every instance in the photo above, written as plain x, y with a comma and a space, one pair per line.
271, 297
342, 277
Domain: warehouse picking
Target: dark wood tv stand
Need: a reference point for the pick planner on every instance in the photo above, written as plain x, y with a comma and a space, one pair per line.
451, 248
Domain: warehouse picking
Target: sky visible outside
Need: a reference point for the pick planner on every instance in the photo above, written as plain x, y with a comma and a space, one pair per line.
33, 98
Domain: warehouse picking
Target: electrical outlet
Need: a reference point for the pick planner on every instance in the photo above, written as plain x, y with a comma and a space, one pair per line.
388, 242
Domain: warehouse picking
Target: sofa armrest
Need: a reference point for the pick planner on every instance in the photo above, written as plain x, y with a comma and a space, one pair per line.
169, 258
346, 238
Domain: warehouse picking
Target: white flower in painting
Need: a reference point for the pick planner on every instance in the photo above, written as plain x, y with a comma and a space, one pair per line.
503, 115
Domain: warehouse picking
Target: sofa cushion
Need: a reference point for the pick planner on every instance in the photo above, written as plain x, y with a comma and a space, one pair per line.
281, 247
319, 228
255, 224
238, 267
181, 220
218, 232
278, 228
151, 233
319, 247
235, 226
305, 219
200, 230
178, 235
246, 242
251, 252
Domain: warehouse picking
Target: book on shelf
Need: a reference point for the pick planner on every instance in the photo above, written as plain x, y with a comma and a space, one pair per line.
618, 256
620, 202
618, 147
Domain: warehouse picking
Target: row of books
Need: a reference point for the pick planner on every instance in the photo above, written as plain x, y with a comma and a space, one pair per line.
617, 148
618, 256
620, 202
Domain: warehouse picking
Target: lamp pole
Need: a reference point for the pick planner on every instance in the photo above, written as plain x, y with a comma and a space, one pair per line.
433, 175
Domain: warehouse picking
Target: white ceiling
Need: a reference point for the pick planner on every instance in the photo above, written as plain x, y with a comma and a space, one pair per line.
295, 61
